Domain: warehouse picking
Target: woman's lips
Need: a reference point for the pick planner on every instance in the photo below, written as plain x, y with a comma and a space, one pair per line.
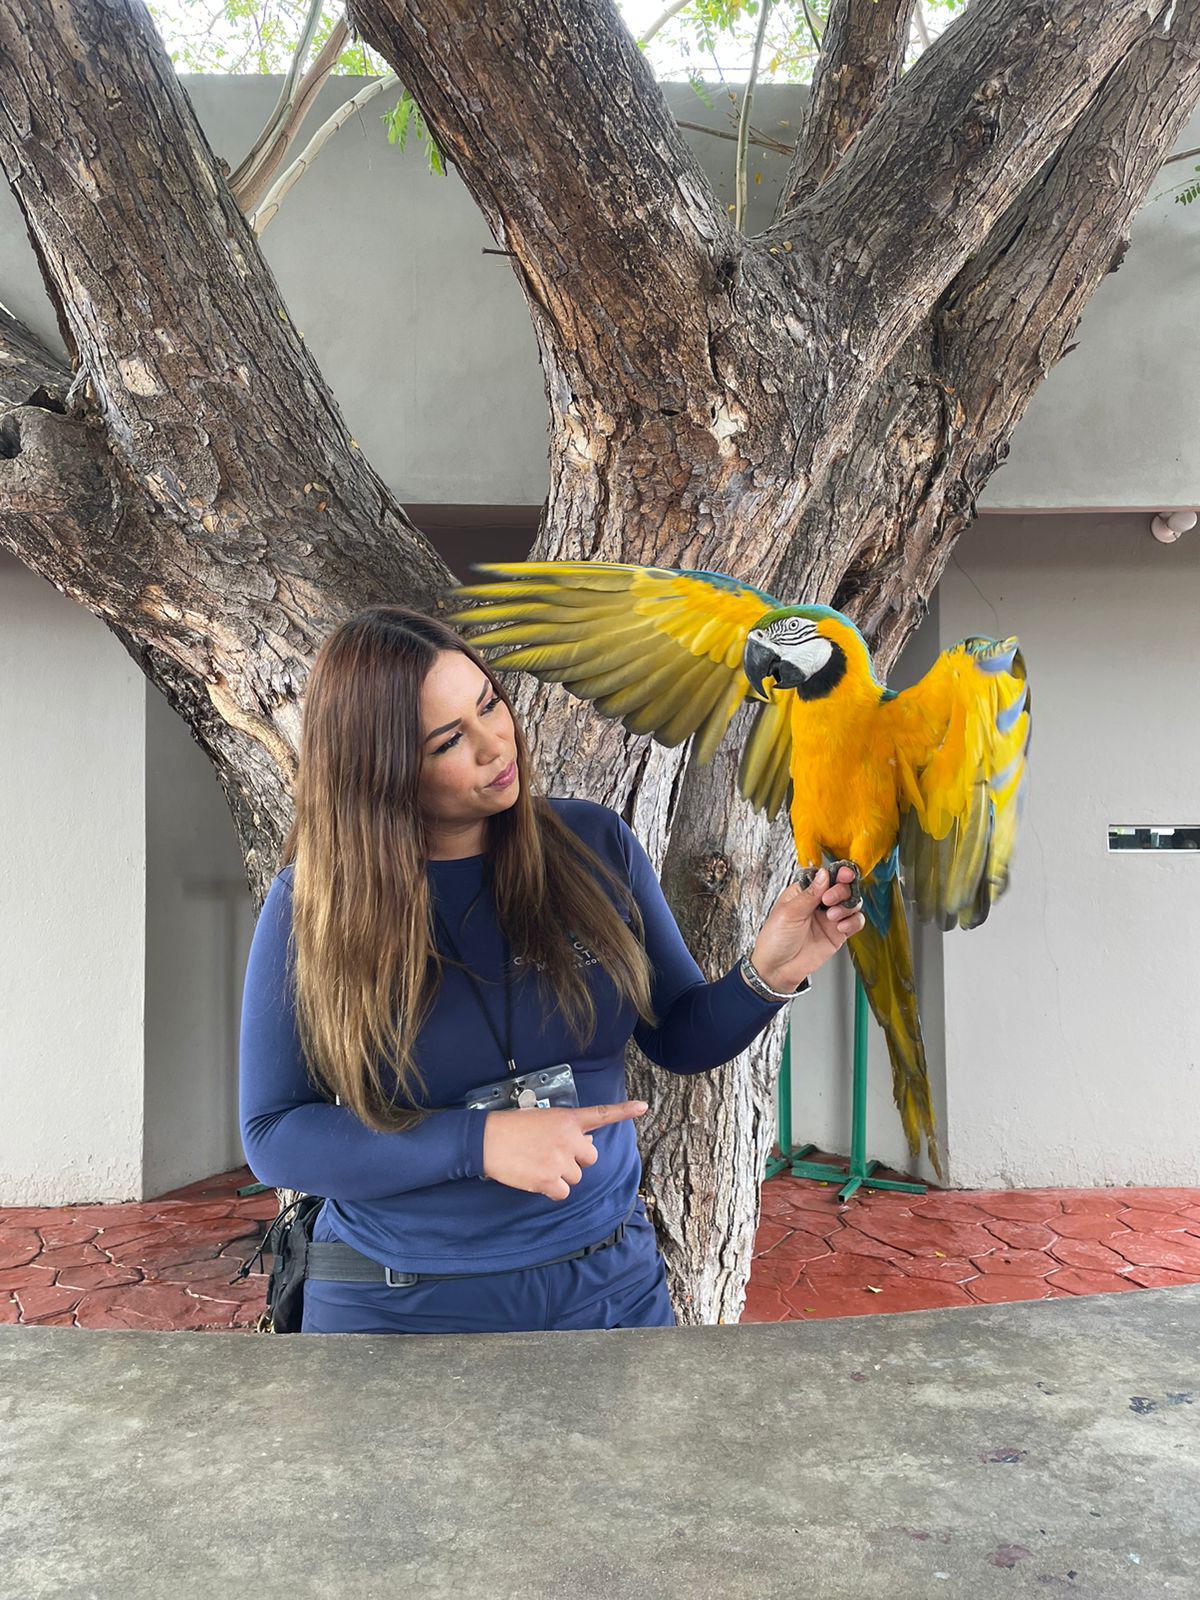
505, 778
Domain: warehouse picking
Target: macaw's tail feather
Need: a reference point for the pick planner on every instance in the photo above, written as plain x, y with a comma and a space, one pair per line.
882, 958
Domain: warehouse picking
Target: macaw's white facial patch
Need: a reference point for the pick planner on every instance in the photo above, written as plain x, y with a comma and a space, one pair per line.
809, 657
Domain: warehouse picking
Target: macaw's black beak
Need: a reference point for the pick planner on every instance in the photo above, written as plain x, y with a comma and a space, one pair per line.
759, 662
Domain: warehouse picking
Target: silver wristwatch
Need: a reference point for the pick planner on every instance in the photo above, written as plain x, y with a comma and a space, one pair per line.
761, 987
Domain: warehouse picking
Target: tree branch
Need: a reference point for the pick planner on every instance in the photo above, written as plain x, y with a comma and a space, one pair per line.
862, 56
920, 188
664, 16
743, 127
29, 373
764, 141
296, 96
553, 118
268, 208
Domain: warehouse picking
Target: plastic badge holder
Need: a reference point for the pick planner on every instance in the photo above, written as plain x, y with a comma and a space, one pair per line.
548, 1086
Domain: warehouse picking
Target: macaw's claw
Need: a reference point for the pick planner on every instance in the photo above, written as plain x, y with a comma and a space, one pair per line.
807, 874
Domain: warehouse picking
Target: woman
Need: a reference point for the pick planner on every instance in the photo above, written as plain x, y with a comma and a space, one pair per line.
437, 927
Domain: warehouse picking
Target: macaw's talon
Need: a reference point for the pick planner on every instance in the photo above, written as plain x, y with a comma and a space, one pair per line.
855, 901
805, 876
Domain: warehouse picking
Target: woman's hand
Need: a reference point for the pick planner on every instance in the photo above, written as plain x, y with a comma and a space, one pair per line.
804, 928
544, 1148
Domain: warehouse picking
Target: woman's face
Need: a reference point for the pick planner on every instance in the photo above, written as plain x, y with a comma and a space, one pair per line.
468, 741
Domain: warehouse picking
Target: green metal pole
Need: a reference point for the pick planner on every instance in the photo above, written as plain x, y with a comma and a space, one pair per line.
860, 1168
859, 1174
783, 1095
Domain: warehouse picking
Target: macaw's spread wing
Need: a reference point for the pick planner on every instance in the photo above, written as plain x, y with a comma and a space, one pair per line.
961, 739
657, 648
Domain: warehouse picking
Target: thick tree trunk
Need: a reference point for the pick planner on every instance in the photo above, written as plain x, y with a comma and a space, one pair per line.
814, 410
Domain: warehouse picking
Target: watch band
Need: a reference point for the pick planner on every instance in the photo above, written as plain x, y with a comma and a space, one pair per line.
761, 987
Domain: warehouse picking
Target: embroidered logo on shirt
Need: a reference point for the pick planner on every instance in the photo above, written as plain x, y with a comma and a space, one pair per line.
583, 957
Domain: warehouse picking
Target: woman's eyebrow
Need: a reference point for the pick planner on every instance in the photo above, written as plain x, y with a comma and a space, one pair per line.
447, 726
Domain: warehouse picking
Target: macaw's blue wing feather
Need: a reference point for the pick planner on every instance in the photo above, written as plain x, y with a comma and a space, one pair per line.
877, 892
738, 586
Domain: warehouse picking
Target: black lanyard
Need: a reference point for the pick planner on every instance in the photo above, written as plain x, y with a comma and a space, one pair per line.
505, 1051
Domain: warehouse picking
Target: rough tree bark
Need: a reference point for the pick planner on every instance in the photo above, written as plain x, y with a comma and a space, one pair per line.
815, 408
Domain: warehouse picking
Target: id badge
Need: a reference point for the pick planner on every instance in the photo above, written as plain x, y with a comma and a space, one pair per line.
548, 1086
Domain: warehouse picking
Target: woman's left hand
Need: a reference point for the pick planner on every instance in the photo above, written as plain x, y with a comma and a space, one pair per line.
804, 928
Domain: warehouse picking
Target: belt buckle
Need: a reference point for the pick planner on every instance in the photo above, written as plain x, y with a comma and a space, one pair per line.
399, 1280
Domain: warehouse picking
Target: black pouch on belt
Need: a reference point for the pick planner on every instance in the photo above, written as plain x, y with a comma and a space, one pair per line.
286, 1241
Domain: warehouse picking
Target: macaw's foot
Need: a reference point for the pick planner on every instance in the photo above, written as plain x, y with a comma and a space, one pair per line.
806, 875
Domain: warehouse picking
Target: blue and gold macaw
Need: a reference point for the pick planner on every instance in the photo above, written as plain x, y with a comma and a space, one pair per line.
921, 788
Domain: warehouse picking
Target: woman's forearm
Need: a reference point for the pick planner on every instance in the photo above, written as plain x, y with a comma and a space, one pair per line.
707, 1025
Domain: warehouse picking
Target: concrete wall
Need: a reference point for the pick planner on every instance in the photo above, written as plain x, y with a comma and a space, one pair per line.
72, 901
199, 922
1072, 1034
400, 307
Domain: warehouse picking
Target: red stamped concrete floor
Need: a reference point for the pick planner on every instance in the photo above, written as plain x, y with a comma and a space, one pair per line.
154, 1264
166, 1263
886, 1251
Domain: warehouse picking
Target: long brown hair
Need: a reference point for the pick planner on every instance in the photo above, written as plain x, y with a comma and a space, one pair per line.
365, 964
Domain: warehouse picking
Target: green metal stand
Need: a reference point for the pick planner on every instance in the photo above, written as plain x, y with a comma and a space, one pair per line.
858, 1174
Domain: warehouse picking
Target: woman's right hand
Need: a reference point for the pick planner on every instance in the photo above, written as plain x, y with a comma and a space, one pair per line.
544, 1148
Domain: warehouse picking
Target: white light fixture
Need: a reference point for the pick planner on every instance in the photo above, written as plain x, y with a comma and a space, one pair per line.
1166, 529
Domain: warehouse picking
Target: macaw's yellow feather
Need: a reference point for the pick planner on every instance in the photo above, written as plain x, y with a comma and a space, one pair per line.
660, 649
884, 963
573, 629
673, 714
555, 594
548, 621
590, 575
659, 701
710, 710
763, 775
658, 669
709, 734
960, 738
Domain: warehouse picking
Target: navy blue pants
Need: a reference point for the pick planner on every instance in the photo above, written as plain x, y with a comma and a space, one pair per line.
622, 1286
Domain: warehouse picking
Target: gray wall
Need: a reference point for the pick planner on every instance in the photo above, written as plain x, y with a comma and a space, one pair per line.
1072, 1032
199, 922
72, 901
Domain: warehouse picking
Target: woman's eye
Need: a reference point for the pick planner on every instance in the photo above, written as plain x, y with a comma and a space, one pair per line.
450, 743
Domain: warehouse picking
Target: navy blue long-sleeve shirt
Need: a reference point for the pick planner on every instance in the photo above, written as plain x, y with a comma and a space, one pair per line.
413, 1200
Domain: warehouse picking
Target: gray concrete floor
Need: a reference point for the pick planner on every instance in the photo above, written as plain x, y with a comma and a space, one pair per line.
1044, 1448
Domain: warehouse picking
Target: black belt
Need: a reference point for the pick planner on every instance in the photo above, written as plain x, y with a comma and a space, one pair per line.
335, 1262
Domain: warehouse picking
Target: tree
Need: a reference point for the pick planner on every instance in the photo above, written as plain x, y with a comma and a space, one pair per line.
816, 407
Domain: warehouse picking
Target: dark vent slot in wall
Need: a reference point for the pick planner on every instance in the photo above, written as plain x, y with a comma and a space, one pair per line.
1154, 836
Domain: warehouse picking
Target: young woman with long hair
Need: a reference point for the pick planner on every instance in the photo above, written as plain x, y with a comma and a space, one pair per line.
437, 929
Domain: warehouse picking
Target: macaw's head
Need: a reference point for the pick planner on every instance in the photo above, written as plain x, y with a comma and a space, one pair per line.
811, 649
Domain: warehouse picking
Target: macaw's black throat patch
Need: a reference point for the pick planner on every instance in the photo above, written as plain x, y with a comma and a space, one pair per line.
826, 681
